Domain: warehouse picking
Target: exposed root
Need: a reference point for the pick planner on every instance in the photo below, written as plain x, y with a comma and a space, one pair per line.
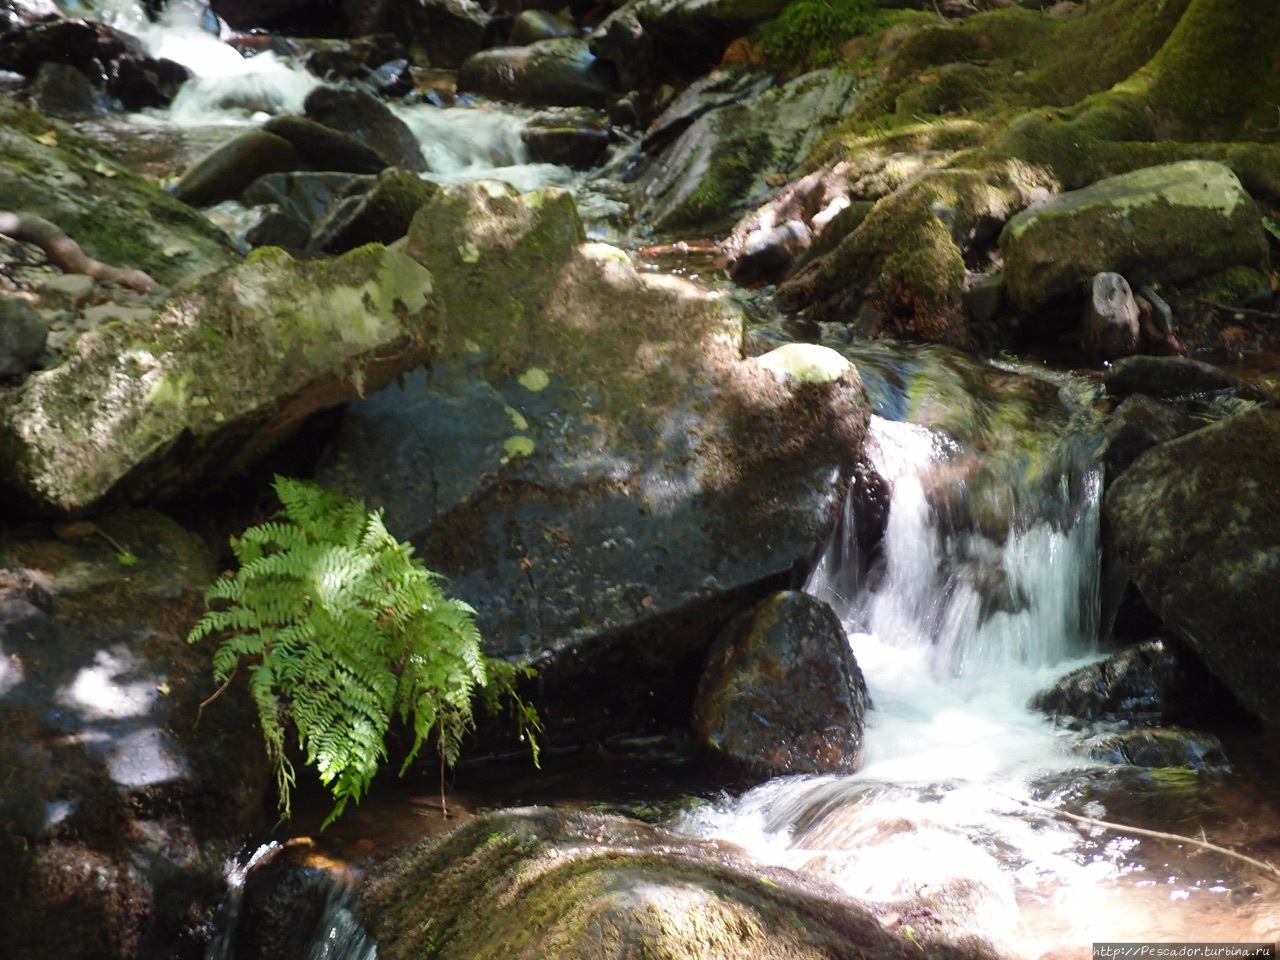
67, 255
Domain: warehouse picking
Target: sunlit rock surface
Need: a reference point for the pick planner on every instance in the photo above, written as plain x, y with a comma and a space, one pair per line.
540, 883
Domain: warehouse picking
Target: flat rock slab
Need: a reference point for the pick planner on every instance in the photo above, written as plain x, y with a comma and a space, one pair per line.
1163, 224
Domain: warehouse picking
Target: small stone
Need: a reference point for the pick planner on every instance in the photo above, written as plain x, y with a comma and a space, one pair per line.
68, 291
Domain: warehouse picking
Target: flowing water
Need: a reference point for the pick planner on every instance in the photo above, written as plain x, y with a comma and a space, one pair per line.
983, 586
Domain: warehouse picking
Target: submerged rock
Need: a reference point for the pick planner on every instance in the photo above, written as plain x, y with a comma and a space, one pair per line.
544, 884
1160, 748
1197, 520
781, 692
1161, 224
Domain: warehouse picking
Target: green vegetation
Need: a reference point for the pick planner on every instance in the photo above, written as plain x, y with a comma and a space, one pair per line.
811, 32
342, 629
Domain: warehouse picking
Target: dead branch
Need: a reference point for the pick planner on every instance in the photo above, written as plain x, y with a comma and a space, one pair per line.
67, 255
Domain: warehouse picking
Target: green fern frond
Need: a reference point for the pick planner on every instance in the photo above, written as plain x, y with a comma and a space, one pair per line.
344, 629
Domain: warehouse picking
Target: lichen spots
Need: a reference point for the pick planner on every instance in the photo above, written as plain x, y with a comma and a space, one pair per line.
535, 379
517, 446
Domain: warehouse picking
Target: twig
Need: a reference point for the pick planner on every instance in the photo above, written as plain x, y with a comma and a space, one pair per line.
1154, 834
217, 693
115, 544
67, 255
1241, 311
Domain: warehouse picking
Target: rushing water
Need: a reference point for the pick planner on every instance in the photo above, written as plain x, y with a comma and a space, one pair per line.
982, 588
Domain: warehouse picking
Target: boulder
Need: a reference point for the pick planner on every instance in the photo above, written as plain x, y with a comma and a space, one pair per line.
1137, 425
562, 72
591, 462
380, 214
1166, 378
23, 333
695, 32
571, 138
1153, 682
530, 26
1197, 520
445, 31
324, 148
17, 14
60, 90
120, 807
1160, 748
221, 373
305, 196
1165, 224
543, 884
360, 114
728, 156
1110, 326
224, 172
48, 169
781, 692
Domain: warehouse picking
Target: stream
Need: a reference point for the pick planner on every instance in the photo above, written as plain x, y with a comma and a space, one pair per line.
986, 587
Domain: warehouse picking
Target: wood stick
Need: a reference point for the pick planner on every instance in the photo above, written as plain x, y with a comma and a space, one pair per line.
67, 255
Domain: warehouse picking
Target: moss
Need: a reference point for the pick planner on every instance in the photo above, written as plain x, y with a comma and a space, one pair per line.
809, 33
739, 160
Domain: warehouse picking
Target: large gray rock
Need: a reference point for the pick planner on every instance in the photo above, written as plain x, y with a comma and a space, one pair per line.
781, 692
221, 373
120, 809
544, 884
1198, 521
726, 158
1163, 224
591, 462
562, 72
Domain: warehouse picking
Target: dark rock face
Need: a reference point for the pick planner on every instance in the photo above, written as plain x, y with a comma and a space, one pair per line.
16, 14
781, 692
591, 463
1161, 748
60, 90
119, 808
323, 148
543, 884
362, 115
380, 215
1165, 377
1198, 522
1137, 425
447, 31
1155, 681
559, 73
22, 336
571, 141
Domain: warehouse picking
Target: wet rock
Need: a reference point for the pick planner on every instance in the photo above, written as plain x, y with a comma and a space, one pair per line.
23, 333
224, 173
1110, 326
142, 83
446, 31
1153, 682
569, 140
984, 298
727, 157
1162, 224
530, 26
120, 808
686, 31
221, 374
1137, 425
304, 196
279, 229
354, 59
381, 214
362, 115
17, 14
720, 88
1166, 377
768, 253
1198, 522
60, 90
561, 73
781, 692
591, 462
1160, 748
547, 884
323, 148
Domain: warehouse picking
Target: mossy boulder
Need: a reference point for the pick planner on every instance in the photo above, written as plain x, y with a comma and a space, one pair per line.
1165, 224
1197, 520
728, 156
49, 169
221, 373
592, 462
543, 884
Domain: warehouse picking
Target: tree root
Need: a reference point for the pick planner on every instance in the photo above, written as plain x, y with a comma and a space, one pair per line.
67, 255
1153, 834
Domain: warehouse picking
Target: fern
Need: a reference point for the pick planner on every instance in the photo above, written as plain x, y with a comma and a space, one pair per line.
342, 629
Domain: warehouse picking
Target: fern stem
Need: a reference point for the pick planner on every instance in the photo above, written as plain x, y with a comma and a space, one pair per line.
217, 693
